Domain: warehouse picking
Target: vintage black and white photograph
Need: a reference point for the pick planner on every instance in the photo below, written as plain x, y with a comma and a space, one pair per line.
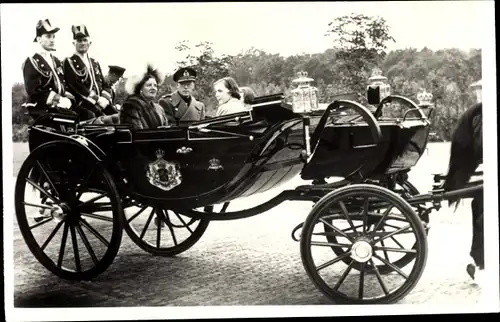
220, 159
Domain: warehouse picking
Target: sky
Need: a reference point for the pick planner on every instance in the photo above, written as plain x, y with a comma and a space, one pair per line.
132, 34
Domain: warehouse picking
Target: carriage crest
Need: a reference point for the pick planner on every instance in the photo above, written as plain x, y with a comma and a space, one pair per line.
163, 174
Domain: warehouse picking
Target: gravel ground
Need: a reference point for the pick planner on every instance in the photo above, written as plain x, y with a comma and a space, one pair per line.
250, 261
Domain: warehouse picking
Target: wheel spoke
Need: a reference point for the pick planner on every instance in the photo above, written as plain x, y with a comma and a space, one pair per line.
314, 243
169, 225
36, 205
52, 234
365, 215
41, 223
147, 223
361, 281
346, 215
394, 267
95, 216
63, 245
399, 231
379, 277
382, 219
333, 261
94, 232
86, 243
54, 199
383, 249
75, 249
137, 214
158, 229
48, 178
344, 275
92, 200
183, 222
397, 242
396, 250
85, 183
99, 206
336, 229
224, 207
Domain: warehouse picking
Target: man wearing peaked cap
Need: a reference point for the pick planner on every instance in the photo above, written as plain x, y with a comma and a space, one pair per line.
85, 78
43, 73
181, 106
115, 73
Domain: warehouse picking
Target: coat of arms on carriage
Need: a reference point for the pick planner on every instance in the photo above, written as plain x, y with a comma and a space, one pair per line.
214, 164
163, 174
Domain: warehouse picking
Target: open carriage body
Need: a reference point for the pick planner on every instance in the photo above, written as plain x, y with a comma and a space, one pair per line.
195, 166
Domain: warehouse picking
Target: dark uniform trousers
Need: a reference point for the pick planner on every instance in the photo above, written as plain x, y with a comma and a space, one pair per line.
178, 110
82, 81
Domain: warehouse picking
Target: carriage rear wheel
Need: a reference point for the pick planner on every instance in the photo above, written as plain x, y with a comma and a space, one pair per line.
364, 247
402, 260
161, 231
63, 195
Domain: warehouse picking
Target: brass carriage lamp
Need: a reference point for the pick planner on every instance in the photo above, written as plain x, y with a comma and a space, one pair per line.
378, 88
305, 96
424, 99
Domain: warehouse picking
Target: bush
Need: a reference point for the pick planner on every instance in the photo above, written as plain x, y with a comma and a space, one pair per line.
20, 132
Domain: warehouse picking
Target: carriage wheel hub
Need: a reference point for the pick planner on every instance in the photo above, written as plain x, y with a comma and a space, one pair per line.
57, 212
361, 251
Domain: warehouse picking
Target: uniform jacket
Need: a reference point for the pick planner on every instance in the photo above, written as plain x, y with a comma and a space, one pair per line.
178, 110
41, 83
79, 78
141, 114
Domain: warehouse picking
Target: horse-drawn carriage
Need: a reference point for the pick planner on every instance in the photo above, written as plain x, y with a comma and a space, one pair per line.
93, 182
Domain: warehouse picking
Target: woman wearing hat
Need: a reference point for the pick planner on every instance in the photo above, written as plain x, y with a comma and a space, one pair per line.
139, 110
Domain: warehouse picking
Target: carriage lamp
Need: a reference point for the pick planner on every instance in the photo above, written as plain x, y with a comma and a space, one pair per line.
305, 96
424, 99
377, 88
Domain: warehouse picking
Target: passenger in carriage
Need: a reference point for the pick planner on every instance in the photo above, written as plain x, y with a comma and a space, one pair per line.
43, 74
139, 109
247, 96
181, 106
115, 74
228, 95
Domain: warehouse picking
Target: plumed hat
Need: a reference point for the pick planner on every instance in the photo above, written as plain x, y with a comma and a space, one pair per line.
44, 27
138, 80
79, 31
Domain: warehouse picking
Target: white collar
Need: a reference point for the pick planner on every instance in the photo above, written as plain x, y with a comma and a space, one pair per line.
44, 52
83, 56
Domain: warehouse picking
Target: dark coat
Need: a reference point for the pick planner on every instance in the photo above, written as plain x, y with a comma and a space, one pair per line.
78, 77
40, 80
141, 114
178, 110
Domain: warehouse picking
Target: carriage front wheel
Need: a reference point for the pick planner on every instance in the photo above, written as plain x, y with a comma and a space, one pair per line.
365, 245
63, 197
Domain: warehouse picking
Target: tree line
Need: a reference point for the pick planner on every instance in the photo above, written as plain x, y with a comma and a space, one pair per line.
358, 45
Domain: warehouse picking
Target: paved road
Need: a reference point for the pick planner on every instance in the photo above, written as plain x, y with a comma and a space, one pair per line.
250, 261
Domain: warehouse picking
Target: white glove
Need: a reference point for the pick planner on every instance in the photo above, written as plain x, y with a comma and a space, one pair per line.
118, 107
64, 102
102, 102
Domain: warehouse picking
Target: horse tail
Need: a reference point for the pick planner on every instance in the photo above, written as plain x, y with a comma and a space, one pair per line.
465, 151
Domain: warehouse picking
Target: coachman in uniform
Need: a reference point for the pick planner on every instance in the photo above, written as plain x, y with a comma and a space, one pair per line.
181, 106
43, 73
84, 77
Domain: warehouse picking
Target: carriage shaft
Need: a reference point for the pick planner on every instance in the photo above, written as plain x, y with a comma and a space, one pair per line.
437, 195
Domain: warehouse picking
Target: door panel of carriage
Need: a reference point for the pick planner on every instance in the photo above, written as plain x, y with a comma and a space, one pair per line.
186, 162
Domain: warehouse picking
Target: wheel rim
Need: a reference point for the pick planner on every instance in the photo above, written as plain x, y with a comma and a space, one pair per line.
162, 231
328, 270
60, 218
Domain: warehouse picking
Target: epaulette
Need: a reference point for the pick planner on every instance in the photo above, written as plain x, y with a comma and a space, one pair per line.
34, 63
